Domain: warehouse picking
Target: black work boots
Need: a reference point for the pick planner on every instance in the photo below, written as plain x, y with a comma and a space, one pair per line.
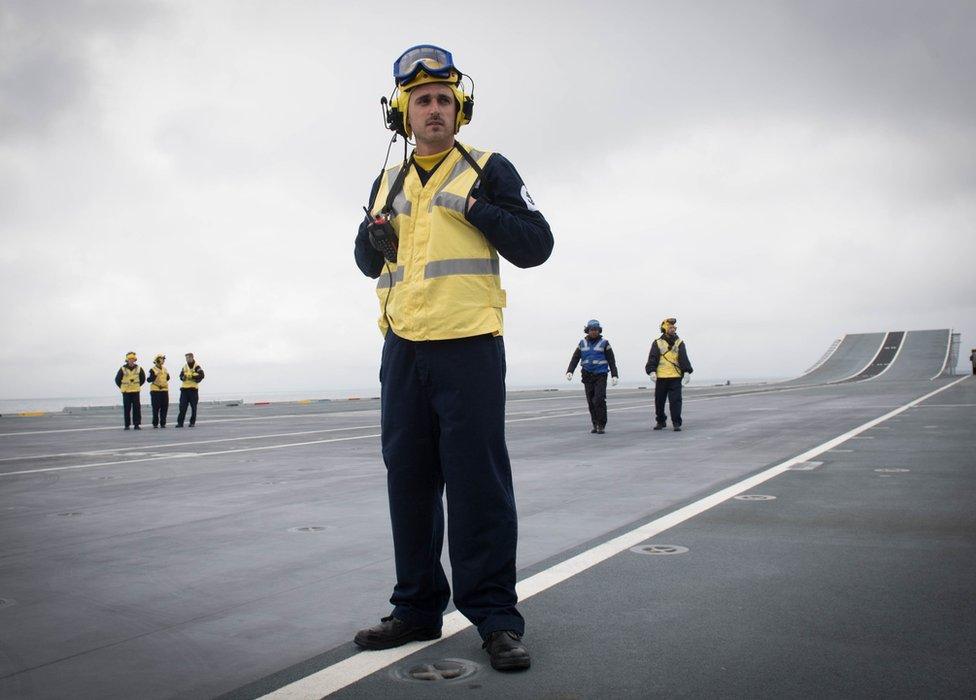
507, 652
393, 632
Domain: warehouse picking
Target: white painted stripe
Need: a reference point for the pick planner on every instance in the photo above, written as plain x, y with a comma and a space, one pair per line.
359, 665
189, 455
151, 446
546, 416
617, 394
946, 360
207, 422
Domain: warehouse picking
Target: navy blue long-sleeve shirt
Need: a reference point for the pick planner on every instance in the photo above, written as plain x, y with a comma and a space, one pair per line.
504, 213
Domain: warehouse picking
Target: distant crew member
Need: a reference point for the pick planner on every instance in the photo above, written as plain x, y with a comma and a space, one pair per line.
972, 359
159, 391
191, 375
130, 379
669, 368
596, 359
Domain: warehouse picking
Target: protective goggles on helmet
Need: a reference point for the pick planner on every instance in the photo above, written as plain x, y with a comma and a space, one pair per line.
431, 59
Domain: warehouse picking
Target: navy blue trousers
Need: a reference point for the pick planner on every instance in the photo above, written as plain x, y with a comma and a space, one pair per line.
668, 391
443, 425
131, 405
188, 398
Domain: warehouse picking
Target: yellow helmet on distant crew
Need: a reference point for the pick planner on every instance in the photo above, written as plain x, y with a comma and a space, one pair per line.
668, 323
422, 65
160, 356
130, 356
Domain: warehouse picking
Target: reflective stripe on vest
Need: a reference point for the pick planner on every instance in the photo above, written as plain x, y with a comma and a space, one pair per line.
593, 357
130, 379
160, 379
384, 282
446, 281
188, 382
668, 367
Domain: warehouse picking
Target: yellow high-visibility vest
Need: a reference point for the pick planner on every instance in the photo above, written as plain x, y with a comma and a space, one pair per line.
160, 380
445, 283
668, 367
130, 379
188, 382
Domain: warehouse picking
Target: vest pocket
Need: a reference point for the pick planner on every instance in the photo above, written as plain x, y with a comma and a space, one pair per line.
498, 298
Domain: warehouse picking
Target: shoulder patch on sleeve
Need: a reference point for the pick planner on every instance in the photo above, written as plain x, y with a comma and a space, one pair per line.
527, 198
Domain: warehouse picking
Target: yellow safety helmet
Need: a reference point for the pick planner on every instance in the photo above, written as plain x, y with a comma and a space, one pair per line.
130, 356
668, 323
160, 355
423, 65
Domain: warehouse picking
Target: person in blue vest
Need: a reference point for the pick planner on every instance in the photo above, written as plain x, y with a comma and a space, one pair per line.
669, 368
596, 360
435, 230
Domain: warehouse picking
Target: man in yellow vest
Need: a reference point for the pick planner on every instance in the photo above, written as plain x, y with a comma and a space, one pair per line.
436, 226
159, 391
668, 367
130, 379
191, 375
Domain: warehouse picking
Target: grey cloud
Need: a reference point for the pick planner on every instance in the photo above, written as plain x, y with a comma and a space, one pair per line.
45, 56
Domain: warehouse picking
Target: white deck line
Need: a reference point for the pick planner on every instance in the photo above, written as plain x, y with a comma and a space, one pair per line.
946, 360
151, 447
576, 396
870, 362
193, 455
359, 665
154, 458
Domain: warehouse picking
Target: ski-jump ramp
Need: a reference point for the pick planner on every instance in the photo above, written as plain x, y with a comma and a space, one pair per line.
891, 356
854, 352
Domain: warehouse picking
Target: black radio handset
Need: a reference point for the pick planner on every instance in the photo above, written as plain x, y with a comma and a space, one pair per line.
382, 235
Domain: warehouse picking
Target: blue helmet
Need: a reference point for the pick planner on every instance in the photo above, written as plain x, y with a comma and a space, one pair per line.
592, 323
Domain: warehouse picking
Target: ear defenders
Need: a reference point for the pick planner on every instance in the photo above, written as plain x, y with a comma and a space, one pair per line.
396, 115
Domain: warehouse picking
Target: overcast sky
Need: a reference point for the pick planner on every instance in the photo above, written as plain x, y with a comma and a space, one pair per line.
189, 176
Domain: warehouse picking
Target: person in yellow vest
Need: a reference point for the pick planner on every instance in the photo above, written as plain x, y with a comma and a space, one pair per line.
130, 379
436, 226
159, 391
191, 375
668, 367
